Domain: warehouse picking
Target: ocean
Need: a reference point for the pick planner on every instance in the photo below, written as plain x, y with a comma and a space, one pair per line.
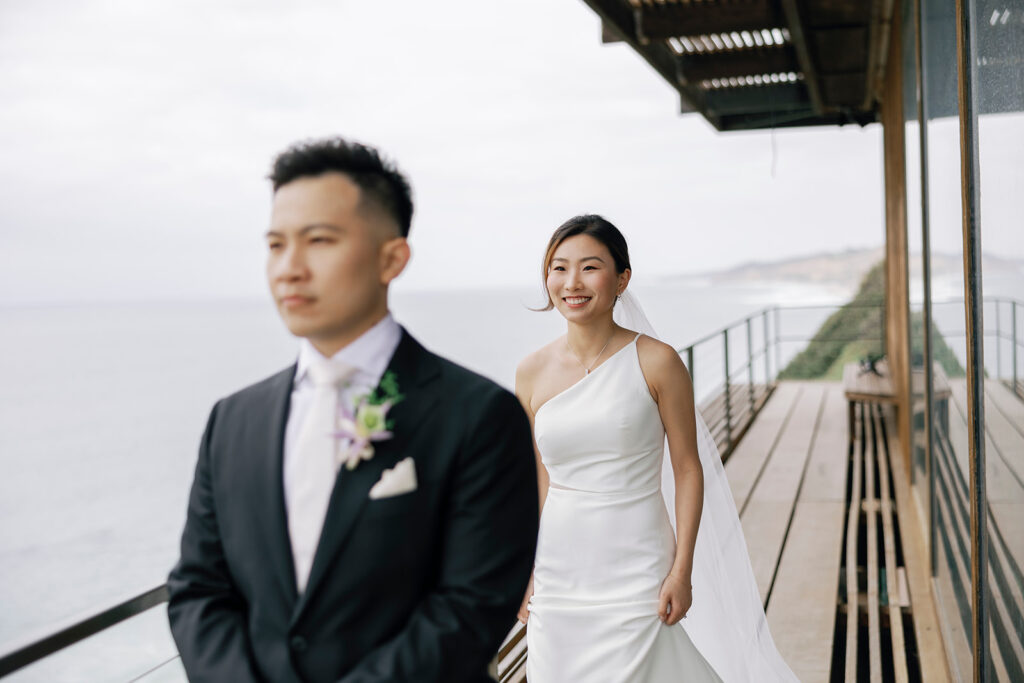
102, 407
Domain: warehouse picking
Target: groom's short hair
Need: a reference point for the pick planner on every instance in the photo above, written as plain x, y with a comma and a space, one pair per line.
379, 180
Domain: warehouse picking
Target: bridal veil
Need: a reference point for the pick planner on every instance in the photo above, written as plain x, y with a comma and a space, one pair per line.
726, 622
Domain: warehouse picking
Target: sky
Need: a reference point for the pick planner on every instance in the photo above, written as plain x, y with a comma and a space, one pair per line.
137, 137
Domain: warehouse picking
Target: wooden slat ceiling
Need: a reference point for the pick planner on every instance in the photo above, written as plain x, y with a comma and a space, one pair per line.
747, 64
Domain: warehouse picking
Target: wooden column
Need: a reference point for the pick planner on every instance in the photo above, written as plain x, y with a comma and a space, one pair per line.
897, 292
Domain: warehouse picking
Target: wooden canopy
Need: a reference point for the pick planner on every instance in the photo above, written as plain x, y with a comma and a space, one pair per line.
747, 64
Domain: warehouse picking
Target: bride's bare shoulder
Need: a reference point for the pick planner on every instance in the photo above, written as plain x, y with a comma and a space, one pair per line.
658, 359
654, 348
535, 363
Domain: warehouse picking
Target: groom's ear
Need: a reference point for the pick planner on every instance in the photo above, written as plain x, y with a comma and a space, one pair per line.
393, 257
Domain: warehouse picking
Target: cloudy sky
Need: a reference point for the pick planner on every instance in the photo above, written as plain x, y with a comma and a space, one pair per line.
136, 138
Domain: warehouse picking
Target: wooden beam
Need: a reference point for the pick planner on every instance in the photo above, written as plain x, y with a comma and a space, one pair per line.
843, 91
610, 35
801, 118
793, 11
897, 281
840, 50
779, 97
618, 18
879, 32
769, 60
659, 22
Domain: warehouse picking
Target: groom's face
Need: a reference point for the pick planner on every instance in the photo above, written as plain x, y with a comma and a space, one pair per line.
330, 259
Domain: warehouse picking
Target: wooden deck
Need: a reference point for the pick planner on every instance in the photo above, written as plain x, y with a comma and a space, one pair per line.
789, 480
816, 507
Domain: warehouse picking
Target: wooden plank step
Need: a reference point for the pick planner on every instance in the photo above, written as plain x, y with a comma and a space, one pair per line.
802, 609
766, 516
714, 413
852, 527
892, 571
825, 478
511, 661
746, 460
714, 409
870, 506
727, 429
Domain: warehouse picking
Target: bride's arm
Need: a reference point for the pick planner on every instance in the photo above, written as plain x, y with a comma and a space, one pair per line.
672, 389
524, 392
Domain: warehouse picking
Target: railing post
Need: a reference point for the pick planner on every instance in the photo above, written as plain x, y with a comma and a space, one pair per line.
999, 344
767, 370
778, 344
728, 398
750, 365
1013, 320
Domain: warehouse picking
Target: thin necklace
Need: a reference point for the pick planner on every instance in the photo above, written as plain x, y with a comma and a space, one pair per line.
586, 370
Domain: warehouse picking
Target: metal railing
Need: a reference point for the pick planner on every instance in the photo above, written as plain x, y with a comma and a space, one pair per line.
1003, 328
33, 651
734, 369
1016, 340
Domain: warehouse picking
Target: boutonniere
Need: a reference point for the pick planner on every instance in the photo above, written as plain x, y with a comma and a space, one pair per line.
366, 421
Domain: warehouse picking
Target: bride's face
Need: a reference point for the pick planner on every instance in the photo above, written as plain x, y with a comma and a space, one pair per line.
582, 281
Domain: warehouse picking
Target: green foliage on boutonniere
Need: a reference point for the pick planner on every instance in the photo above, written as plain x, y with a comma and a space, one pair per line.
386, 393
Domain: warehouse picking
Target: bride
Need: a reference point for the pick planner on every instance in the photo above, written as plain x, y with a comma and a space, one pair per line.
613, 576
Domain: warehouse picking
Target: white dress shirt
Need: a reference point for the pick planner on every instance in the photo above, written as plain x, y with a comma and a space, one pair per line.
369, 355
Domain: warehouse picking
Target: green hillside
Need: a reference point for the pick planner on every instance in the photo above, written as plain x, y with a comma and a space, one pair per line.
856, 331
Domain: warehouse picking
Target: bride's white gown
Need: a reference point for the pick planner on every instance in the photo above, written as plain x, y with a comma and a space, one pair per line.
606, 542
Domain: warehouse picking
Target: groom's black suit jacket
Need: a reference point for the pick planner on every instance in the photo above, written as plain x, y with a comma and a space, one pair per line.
418, 587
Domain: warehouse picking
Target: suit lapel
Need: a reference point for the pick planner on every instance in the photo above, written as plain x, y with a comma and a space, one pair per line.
270, 500
415, 369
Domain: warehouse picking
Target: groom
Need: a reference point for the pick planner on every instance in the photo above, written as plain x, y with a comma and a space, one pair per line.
369, 513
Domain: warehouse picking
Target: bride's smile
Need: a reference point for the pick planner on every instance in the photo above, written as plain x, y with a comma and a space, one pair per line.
582, 280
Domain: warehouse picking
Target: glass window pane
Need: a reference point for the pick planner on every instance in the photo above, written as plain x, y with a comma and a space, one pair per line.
999, 36
952, 551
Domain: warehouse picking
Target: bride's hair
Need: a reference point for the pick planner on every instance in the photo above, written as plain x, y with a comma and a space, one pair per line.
598, 227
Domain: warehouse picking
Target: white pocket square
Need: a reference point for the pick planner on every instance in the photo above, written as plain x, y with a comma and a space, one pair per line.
394, 482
